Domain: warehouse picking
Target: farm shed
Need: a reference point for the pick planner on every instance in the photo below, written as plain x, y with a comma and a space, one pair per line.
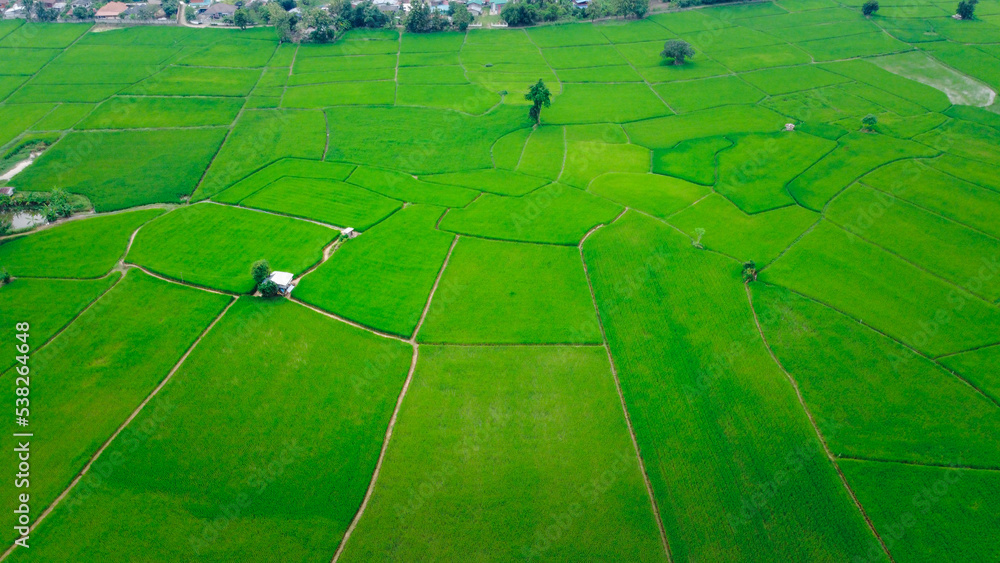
283, 280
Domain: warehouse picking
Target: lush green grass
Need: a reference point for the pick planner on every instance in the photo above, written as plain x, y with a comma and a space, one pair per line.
493, 180
634, 32
405, 187
940, 193
286, 167
383, 278
935, 243
980, 367
37, 93
467, 98
239, 53
214, 245
297, 468
887, 402
870, 284
64, 116
823, 105
544, 153
193, 81
86, 248
506, 292
693, 160
448, 74
929, 513
556, 214
91, 377
44, 35
854, 156
866, 45
597, 103
339, 94
58, 72
431, 42
146, 112
121, 169
898, 229
668, 131
478, 425
418, 140
753, 173
582, 57
726, 444
327, 201
507, 150
63, 299
10, 83
326, 64
708, 93
657, 195
873, 75
618, 73
966, 139
14, 119
792, 79
259, 138
718, 224
586, 160
566, 35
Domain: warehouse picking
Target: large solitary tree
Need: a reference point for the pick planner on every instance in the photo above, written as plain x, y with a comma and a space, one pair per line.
677, 50
539, 96
869, 7
967, 9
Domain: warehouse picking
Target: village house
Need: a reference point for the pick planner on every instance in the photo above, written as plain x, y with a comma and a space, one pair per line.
219, 10
111, 11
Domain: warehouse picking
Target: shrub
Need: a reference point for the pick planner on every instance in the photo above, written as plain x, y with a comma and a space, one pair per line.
260, 270
869, 122
519, 13
268, 288
749, 271
4, 276
870, 7
677, 50
967, 9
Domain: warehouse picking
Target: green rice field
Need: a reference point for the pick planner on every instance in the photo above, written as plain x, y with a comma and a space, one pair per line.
740, 309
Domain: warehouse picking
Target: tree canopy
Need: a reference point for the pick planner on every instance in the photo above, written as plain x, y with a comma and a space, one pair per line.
677, 50
539, 96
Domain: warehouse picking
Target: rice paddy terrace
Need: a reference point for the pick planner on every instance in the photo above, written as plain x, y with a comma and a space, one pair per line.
699, 313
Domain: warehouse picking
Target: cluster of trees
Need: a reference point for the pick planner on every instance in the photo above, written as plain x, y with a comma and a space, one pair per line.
320, 25
52, 205
678, 50
261, 271
422, 18
38, 11
528, 12
967, 9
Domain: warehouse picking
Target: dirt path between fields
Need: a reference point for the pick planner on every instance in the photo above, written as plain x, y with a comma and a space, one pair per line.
395, 413
135, 413
621, 396
812, 421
